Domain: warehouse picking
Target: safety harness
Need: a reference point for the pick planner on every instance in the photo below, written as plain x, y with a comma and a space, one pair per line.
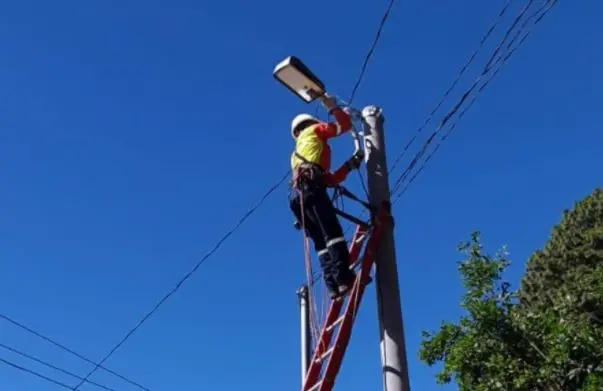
313, 172
306, 171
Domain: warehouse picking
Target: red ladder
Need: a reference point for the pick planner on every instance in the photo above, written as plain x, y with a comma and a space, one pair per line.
328, 356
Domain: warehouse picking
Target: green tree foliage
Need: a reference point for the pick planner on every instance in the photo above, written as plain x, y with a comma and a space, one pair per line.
501, 343
573, 253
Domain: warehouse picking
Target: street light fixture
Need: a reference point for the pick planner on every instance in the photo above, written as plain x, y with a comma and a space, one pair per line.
299, 79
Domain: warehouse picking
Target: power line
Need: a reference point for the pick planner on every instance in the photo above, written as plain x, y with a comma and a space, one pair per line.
68, 350
371, 50
446, 94
19, 367
46, 364
458, 105
239, 223
363, 69
195, 268
430, 116
489, 66
538, 15
186, 276
454, 83
547, 8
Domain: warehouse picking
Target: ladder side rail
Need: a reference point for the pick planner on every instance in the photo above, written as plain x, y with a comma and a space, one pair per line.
342, 339
335, 308
333, 316
326, 334
357, 242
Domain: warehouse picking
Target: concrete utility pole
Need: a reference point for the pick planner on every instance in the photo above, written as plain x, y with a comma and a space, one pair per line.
306, 338
392, 344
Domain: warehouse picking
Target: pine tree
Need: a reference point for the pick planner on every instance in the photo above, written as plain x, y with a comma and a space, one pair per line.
573, 253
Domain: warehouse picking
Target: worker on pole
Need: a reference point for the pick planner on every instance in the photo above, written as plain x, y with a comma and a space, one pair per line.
309, 200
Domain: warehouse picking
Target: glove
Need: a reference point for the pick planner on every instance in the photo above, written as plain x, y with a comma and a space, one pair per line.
354, 162
328, 102
353, 113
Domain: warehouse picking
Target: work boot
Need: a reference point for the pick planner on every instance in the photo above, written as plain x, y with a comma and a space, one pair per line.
331, 285
334, 289
346, 285
333, 293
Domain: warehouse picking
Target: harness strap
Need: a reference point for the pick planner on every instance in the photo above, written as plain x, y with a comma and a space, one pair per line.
306, 161
306, 171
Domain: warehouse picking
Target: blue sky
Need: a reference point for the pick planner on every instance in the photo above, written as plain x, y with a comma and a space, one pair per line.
133, 134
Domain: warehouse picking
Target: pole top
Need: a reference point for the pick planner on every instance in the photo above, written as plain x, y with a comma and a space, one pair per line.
302, 291
372, 111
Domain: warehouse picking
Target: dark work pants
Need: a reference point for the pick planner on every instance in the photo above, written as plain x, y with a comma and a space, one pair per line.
323, 227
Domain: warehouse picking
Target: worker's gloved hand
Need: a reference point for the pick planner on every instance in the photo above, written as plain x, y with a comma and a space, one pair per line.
328, 102
353, 113
354, 162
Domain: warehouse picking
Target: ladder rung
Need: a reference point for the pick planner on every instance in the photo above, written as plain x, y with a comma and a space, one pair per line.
337, 321
324, 369
360, 238
325, 354
315, 386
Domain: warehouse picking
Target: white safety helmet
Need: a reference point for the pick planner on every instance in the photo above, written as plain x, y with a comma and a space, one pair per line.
299, 119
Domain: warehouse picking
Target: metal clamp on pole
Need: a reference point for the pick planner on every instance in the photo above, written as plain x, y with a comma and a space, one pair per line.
355, 115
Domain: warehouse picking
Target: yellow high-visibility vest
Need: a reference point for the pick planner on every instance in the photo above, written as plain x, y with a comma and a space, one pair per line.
312, 148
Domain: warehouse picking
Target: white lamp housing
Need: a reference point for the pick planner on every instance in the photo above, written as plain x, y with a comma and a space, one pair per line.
298, 78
